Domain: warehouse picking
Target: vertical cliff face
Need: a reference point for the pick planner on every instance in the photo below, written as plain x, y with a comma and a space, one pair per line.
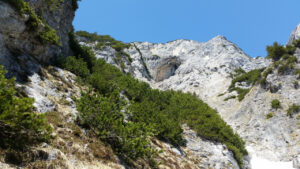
27, 36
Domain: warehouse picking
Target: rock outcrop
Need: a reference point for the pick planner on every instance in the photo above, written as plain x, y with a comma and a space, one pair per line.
294, 35
166, 68
19, 46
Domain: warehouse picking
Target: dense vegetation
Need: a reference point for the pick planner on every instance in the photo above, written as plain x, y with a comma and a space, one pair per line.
46, 34
283, 57
19, 125
126, 113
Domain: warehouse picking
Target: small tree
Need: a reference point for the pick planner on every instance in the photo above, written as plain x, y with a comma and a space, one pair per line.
276, 51
77, 66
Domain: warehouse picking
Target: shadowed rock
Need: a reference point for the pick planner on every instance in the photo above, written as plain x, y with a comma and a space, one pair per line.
166, 68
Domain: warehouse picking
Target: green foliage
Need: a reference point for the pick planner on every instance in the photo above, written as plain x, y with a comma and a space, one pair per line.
239, 71
250, 78
242, 93
293, 109
104, 116
127, 125
275, 104
82, 52
269, 115
265, 74
77, 66
49, 36
290, 49
283, 57
103, 40
54, 4
19, 126
296, 43
276, 51
282, 69
207, 123
230, 97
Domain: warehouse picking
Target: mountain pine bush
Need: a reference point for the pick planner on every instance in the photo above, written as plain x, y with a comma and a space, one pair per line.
19, 125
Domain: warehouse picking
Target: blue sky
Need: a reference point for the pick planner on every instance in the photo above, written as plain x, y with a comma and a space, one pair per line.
251, 24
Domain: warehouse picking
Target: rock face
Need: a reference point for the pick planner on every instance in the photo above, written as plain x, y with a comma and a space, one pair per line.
166, 68
204, 68
295, 35
19, 45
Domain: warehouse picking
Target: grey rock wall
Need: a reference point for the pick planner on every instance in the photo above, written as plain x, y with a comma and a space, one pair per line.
20, 49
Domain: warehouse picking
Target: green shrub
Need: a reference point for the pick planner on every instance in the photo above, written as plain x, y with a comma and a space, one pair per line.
276, 51
293, 109
54, 4
290, 49
275, 104
250, 77
239, 71
269, 115
292, 60
19, 125
77, 66
104, 117
263, 79
296, 43
230, 97
242, 93
49, 36
283, 69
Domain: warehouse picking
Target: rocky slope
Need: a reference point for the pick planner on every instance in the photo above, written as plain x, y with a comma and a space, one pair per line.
204, 69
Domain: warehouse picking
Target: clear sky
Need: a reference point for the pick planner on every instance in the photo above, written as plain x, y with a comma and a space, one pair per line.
251, 24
